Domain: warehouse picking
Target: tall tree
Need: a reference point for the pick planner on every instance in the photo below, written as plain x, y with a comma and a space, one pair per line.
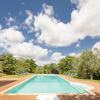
66, 64
31, 65
21, 66
9, 64
87, 64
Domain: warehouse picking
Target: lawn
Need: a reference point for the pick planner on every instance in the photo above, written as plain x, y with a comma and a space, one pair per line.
15, 76
95, 81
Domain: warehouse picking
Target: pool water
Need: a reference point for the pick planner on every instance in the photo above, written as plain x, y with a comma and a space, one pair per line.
45, 84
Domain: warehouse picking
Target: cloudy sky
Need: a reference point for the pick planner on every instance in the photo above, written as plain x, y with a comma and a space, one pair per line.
48, 30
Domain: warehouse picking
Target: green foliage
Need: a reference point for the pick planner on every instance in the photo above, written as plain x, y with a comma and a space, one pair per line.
87, 64
30, 63
11, 65
46, 69
39, 70
21, 66
8, 64
66, 64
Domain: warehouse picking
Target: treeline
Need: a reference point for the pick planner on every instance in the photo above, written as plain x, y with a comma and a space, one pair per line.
87, 66
11, 65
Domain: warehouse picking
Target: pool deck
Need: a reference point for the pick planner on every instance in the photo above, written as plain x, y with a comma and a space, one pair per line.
6, 83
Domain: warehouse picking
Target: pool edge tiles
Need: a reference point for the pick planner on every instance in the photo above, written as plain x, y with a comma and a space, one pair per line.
24, 87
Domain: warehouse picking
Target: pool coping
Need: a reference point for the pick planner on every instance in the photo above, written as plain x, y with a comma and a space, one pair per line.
3, 92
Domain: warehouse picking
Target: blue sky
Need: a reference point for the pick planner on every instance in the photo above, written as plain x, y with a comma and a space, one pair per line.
50, 29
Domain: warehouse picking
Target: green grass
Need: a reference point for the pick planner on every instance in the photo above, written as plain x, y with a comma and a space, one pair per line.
15, 76
96, 81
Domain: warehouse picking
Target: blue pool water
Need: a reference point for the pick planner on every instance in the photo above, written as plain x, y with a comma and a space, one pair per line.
45, 84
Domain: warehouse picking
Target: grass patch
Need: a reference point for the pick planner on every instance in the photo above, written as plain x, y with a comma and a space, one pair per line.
15, 76
95, 81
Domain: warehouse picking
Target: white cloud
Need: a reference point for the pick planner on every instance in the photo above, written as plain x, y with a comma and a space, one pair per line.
84, 22
52, 32
10, 21
75, 54
10, 36
96, 49
48, 9
43, 62
29, 50
39, 54
72, 54
77, 45
96, 46
0, 27
29, 18
79, 3
29, 21
56, 56
85, 19
13, 42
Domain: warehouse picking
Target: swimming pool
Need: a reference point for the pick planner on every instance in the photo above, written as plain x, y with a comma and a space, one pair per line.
45, 84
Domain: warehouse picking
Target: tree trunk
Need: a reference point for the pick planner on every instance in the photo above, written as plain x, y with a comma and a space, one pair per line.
91, 76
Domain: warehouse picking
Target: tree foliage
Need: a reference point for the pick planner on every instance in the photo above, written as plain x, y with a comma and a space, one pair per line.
30, 63
9, 63
87, 65
66, 64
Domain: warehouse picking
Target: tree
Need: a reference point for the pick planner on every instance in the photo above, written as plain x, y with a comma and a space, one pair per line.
46, 69
54, 71
49, 67
87, 64
21, 66
31, 65
9, 64
97, 69
39, 70
66, 64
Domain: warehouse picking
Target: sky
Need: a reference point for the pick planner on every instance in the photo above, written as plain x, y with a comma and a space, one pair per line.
49, 30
